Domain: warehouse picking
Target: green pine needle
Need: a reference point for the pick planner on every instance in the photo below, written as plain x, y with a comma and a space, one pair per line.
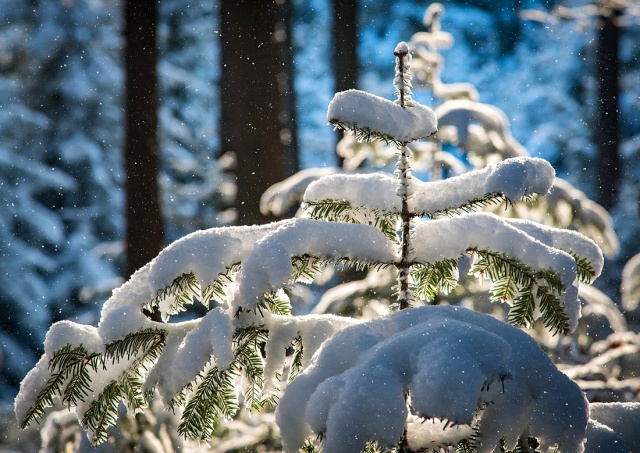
515, 282
342, 211
70, 365
276, 302
584, 269
102, 413
431, 279
296, 362
215, 394
365, 134
146, 346
182, 290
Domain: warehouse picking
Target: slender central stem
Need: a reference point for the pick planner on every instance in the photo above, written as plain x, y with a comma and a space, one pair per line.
400, 69
403, 172
404, 294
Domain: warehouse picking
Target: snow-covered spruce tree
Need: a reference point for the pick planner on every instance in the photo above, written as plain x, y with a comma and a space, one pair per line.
480, 382
59, 171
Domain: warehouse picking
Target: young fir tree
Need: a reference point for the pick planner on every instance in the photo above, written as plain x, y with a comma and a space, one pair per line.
480, 382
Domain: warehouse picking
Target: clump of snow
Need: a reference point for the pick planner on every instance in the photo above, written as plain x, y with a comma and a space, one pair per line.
206, 253
354, 388
193, 253
513, 178
401, 48
269, 266
61, 334
601, 438
567, 240
375, 191
190, 346
66, 332
362, 110
623, 419
278, 198
313, 331
30, 386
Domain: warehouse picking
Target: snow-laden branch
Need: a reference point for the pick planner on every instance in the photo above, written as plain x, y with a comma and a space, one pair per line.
570, 241
462, 114
456, 365
442, 239
281, 196
206, 254
373, 117
269, 266
512, 178
586, 215
192, 345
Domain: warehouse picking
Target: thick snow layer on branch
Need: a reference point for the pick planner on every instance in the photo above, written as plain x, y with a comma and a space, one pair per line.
623, 419
278, 198
206, 253
451, 361
312, 329
435, 240
513, 178
188, 351
67, 332
269, 266
592, 218
373, 191
568, 240
60, 334
362, 110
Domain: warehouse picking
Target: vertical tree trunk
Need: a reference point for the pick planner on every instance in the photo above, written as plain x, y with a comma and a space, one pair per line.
608, 129
345, 44
257, 102
145, 232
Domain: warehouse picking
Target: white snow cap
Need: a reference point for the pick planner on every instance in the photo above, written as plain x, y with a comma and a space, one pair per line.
401, 48
269, 266
451, 361
618, 422
568, 240
359, 109
513, 178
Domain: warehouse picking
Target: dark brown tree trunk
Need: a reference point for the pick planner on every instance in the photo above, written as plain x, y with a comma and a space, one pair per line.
345, 44
145, 232
608, 128
257, 102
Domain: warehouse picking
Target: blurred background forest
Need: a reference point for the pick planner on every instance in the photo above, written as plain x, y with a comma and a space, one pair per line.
217, 100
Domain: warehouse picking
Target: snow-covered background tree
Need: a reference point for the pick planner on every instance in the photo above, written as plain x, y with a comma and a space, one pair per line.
369, 383
60, 202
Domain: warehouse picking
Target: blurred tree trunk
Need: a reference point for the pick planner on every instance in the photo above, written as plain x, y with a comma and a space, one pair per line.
257, 98
345, 46
345, 43
608, 132
145, 231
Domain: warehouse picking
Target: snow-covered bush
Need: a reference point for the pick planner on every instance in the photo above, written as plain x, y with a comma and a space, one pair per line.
377, 381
